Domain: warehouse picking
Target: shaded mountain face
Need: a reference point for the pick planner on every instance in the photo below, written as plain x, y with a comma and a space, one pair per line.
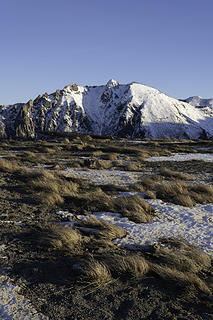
126, 110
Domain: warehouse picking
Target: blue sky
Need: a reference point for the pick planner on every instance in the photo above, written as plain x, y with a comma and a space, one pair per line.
47, 44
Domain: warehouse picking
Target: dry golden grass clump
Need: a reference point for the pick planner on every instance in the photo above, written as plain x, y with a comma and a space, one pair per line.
142, 155
130, 266
181, 264
34, 157
102, 164
102, 229
88, 202
113, 188
174, 174
133, 207
50, 149
97, 153
185, 258
150, 195
184, 194
8, 166
56, 237
95, 273
110, 156
117, 163
184, 280
12, 156
47, 187
132, 166
149, 183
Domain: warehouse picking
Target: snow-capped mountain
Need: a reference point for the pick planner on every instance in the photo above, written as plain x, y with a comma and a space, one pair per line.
200, 102
128, 110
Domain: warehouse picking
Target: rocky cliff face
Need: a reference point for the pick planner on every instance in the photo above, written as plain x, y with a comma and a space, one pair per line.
131, 110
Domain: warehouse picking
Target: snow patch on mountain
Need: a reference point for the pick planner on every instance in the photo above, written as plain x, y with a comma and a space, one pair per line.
198, 101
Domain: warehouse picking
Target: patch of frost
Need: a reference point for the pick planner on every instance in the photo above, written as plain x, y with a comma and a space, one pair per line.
15, 306
194, 225
208, 157
104, 176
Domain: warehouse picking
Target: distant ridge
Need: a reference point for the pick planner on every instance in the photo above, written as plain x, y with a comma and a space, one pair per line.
120, 110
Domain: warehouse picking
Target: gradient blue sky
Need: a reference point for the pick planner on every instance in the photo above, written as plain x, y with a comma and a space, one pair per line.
47, 44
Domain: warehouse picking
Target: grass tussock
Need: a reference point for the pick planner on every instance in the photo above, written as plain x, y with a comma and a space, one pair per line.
184, 280
184, 194
133, 207
148, 183
130, 266
95, 273
150, 195
97, 153
56, 237
132, 166
101, 164
181, 264
141, 156
110, 156
102, 229
47, 187
174, 174
35, 157
8, 166
113, 188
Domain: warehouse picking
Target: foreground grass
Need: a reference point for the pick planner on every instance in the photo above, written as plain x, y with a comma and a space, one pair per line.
52, 258
92, 258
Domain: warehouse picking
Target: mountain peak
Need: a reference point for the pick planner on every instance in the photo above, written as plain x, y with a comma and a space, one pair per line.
131, 110
112, 83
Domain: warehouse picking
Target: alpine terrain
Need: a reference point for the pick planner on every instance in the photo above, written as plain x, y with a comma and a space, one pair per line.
200, 102
126, 110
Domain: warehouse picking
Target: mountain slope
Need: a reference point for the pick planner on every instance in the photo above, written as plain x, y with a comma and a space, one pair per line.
197, 101
131, 110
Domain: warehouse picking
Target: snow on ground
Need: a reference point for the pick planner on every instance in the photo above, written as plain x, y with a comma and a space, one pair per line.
208, 157
14, 306
104, 176
194, 225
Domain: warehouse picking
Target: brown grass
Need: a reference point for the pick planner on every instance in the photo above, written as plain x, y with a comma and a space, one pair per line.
149, 183
56, 237
181, 264
184, 194
150, 195
132, 166
174, 174
95, 273
102, 164
113, 188
110, 156
8, 166
133, 207
102, 229
186, 280
47, 187
130, 266
142, 155
97, 153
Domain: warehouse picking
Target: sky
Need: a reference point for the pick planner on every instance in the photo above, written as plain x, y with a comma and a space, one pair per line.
47, 44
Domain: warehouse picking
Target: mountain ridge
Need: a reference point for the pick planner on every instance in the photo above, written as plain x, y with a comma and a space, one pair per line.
121, 110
